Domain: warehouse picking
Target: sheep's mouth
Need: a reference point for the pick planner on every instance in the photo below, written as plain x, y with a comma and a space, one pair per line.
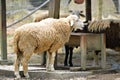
81, 27
78, 29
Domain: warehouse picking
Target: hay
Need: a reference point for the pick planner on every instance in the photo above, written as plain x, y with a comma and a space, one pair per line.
97, 26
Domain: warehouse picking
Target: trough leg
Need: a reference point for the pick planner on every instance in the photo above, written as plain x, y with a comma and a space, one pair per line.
83, 52
103, 53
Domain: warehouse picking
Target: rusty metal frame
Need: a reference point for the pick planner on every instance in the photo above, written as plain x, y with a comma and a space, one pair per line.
3, 32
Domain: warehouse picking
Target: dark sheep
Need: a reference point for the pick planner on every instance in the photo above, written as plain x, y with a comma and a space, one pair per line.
111, 28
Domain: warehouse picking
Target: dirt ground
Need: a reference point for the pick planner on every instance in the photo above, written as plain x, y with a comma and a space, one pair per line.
113, 62
110, 76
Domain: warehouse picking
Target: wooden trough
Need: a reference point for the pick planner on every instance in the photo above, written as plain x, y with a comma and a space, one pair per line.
89, 42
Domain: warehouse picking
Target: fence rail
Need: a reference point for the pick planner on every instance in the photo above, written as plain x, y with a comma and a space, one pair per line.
42, 5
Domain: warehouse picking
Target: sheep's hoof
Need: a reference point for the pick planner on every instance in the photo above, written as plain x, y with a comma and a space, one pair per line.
65, 64
50, 69
71, 65
26, 76
17, 77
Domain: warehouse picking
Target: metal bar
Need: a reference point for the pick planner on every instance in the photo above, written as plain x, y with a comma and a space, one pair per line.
88, 10
3, 31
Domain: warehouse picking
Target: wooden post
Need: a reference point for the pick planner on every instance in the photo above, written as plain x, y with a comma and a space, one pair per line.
54, 9
3, 32
83, 49
103, 52
118, 6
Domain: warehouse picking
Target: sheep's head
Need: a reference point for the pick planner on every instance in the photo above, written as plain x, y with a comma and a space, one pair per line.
75, 22
77, 12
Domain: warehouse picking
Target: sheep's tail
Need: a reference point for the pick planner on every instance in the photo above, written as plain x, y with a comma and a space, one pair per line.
16, 47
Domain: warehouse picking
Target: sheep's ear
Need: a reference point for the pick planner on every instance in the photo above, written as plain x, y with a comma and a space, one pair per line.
71, 22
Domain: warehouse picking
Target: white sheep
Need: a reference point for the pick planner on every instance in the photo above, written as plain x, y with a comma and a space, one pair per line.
47, 35
43, 15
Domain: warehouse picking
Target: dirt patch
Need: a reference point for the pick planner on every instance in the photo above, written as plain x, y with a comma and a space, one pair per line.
110, 76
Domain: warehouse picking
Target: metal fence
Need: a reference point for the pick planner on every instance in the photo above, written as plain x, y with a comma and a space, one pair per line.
29, 14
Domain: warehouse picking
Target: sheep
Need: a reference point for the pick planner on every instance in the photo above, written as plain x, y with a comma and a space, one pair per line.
43, 15
40, 16
68, 49
68, 53
47, 35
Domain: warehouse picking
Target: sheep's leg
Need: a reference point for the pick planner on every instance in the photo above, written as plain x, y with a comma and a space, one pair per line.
44, 58
97, 56
66, 55
16, 69
70, 58
47, 63
24, 61
25, 68
50, 61
96, 59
